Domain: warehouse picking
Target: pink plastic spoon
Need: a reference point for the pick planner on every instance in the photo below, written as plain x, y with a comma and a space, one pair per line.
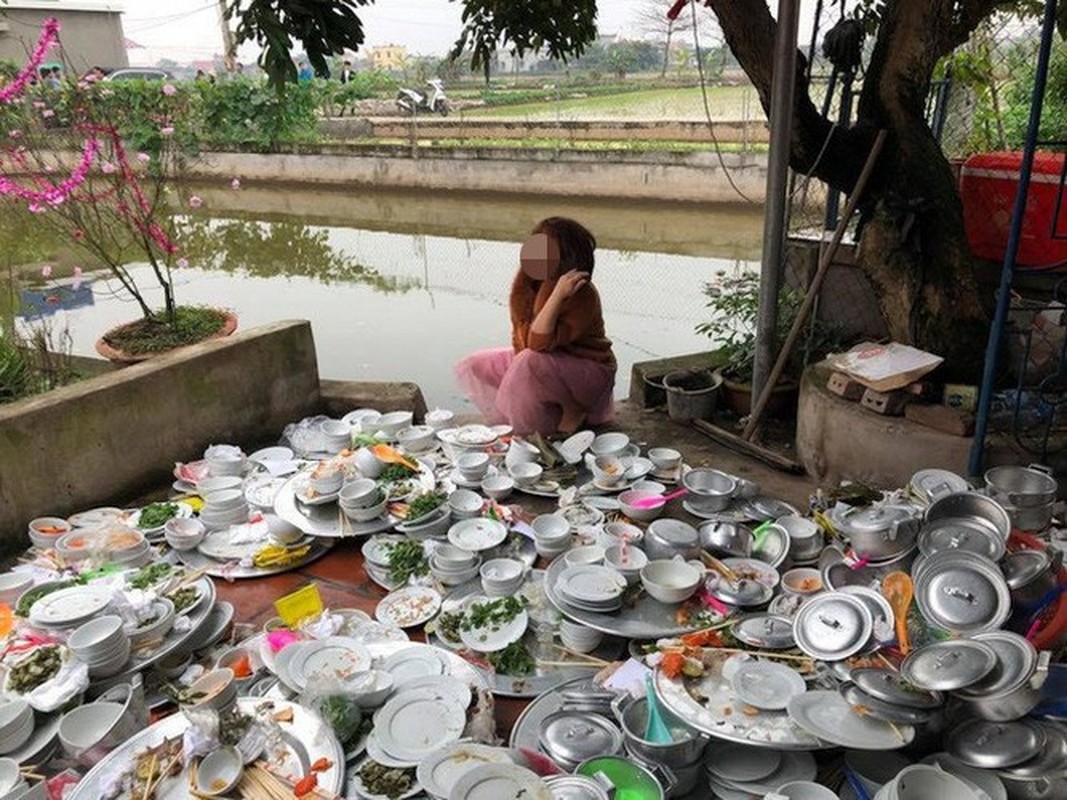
657, 500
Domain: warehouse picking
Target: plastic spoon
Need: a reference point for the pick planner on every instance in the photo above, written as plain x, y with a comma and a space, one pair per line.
656, 729
657, 500
898, 589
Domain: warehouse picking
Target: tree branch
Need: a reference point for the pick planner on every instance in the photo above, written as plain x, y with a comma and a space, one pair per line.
968, 16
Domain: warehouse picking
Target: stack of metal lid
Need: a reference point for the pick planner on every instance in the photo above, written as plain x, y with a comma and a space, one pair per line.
889, 697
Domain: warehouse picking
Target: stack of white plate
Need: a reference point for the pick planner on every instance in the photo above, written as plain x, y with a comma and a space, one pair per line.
740, 770
421, 717
70, 607
591, 587
443, 769
102, 644
223, 509
16, 725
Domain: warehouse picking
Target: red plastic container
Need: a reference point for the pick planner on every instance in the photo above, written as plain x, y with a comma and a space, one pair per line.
988, 185
1053, 633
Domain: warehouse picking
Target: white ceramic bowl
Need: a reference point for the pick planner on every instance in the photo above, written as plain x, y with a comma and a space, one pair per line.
473, 466
671, 581
220, 771
88, 725
326, 479
629, 567
450, 556
465, 504
498, 486
502, 576
588, 554
416, 439
10, 777
224, 500
454, 578
16, 724
96, 636
551, 528
221, 467
156, 629
184, 533
370, 466
550, 552
607, 470
217, 484
431, 526
230, 658
805, 790
664, 459
363, 419
360, 493
525, 473
610, 444
365, 513
614, 532
218, 687
282, 531
439, 418
40, 530
578, 637
370, 689
627, 499
12, 585
113, 663
395, 421
173, 666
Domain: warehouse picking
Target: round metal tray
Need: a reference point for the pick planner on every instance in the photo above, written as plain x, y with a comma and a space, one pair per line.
232, 570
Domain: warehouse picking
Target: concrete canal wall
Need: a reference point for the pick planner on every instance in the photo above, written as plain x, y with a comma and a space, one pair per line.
687, 177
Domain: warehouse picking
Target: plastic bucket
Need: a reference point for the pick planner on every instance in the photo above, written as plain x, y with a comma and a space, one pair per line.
691, 394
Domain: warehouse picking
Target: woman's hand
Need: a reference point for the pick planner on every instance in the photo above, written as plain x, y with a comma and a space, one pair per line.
568, 284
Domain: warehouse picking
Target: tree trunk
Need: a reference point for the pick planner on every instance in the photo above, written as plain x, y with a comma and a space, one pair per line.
912, 244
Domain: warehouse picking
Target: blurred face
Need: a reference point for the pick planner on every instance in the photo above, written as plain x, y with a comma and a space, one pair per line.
539, 257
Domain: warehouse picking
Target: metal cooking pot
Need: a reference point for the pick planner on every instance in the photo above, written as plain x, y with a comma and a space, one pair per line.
667, 538
837, 573
1030, 574
1023, 487
726, 539
970, 509
1045, 775
631, 778
632, 714
710, 490
1013, 689
1035, 518
878, 532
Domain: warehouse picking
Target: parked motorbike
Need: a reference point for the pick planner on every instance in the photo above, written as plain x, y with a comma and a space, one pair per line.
412, 101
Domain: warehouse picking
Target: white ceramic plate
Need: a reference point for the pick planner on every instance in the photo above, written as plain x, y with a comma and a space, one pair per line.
740, 763
415, 722
95, 517
442, 769
580, 515
500, 782
376, 549
217, 545
70, 606
489, 639
336, 657
408, 607
767, 685
306, 495
184, 511
357, 789
591, 584
477, 534
413, 662
828, 715
377, 753
474, 435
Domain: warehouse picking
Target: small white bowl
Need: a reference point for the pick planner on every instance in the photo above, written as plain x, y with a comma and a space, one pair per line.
607, 470
184, 533
664, 459
16, 724
626, 500
360, 493
224, 500
220, 771
10, 776
630, 567
13, 584
473, 466
451, 557
502, 576
525, 473
217, 484
96, 636
464, 503
40, 528
589, 554
550, 528
370, 466
326, 478
498, 487
282, 531
671, 581
453, 577
553, 551
365, 513
614, 532
439, 418
218, 687
416, 439
578, 637
610, 444
395, 421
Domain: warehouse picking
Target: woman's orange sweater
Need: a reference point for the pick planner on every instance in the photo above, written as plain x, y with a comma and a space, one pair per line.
579, 328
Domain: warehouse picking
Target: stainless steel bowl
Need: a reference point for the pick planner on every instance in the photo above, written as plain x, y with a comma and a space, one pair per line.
726, 539
710, 490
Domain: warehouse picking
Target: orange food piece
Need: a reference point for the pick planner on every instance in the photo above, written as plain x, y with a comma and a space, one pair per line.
702, 639
306, 785
242, 668
672, 664
7, 619
321, 765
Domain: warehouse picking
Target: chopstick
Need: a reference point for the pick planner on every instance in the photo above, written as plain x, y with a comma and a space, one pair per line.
584, 656
151, 778
719, 567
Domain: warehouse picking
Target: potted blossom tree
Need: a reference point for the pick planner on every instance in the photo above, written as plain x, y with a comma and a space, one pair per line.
66, 157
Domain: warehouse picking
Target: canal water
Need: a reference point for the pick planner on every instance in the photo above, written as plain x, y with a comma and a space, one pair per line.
400, 286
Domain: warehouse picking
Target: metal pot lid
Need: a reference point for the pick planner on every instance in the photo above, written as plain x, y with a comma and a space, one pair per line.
960, 534
833, 626
887, 685
880, 709
930, 484
872, 519
995, 745
675, 532
745, 593
962, 592
576, 736
1015, 665
1024, 566
576, 787
765, 507
1052, 759
765, 630
945, 666
877, 603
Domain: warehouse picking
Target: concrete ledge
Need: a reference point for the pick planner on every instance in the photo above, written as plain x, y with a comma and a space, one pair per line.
643, 395
109, 437
839, 440
340, 397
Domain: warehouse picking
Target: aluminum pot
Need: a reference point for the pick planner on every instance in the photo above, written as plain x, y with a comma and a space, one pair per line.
1013, 689
837, 573
878, 532
666, 538
726, 539
1030, 574
687, 747
1028, 518
710, 490
1043, 777
1023, 487
686, 777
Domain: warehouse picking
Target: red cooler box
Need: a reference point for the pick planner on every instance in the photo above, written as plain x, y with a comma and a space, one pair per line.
988, 183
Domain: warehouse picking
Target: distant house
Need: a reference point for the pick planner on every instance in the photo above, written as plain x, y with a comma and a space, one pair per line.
388, 56
91, 31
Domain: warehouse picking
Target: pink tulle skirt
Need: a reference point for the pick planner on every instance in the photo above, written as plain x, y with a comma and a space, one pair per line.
527, 390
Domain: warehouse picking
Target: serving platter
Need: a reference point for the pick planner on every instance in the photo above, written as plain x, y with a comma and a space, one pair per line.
720, 714
233, 570
306, 738
645, 618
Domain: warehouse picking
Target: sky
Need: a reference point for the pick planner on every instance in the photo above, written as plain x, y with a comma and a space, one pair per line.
184, 30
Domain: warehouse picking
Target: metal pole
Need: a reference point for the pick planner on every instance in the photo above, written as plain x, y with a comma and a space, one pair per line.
776, 205
1007, 272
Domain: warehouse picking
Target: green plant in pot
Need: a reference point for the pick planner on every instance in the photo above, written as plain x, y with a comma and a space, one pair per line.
106, 177
733, 301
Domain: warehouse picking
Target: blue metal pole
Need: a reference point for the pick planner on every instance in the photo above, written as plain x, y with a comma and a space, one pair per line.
996, 330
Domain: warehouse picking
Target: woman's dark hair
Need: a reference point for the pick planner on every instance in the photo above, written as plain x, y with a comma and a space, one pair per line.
576, 243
